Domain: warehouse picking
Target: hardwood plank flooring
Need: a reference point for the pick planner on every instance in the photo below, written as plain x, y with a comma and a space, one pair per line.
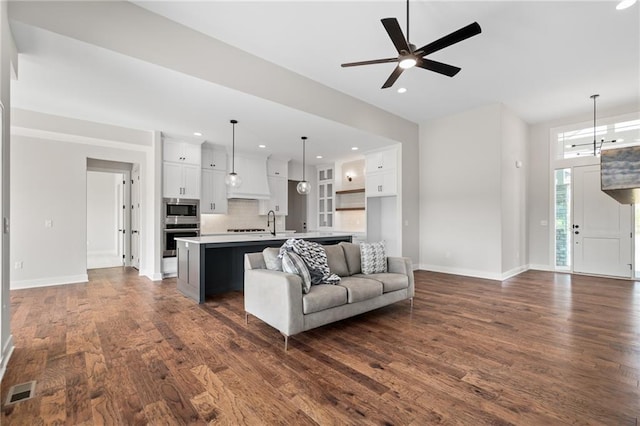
538, 349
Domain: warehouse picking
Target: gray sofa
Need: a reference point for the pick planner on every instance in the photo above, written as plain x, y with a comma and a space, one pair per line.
276, 297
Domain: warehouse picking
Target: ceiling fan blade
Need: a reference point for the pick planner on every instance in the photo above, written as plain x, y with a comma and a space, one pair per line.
453, 38
393, 77
395, 33
439, 67
374, 61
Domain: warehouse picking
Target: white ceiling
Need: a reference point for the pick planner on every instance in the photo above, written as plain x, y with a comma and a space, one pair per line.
541, 59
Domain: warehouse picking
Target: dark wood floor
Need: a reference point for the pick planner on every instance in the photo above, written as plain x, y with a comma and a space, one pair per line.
538, 349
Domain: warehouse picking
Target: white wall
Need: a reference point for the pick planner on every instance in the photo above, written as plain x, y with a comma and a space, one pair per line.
49, 182
8, 56
514, 193
539, 185
460, 193
102, 212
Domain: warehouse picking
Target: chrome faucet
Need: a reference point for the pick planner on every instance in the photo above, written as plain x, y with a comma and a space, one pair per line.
274, 221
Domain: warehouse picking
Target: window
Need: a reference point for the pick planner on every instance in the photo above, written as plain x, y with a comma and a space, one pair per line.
579, 141
562, 217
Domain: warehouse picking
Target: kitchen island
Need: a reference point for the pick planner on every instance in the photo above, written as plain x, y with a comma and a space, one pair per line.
215, 264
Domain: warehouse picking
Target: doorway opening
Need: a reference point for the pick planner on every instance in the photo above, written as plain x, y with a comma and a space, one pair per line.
296, 218
111, 216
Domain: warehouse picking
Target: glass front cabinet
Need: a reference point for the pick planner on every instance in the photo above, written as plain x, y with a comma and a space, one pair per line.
326, 198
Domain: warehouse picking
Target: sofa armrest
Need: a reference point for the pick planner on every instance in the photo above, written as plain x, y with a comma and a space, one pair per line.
402, 265
274, 297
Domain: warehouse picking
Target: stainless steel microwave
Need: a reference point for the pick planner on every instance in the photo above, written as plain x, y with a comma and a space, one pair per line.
181, 210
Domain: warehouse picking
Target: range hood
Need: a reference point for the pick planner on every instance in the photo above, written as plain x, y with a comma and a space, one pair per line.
620, 174
252, 169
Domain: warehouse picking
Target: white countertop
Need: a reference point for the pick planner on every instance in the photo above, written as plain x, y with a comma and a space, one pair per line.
236, 237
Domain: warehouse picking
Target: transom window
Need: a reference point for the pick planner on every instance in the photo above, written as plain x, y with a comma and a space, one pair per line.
579, 141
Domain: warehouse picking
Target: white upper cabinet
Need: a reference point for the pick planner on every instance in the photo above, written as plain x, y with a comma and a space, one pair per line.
382, 161
181, 169
175, 151
279, 201
213, 158
214, 192
381, 178
278, 168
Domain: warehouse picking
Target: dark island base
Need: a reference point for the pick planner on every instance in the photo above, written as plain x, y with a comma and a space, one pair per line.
221, 265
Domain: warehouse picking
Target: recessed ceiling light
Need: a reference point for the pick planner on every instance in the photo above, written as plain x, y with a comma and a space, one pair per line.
197, 134
354, 148
402, 90
262, 146
318, 156
624, 4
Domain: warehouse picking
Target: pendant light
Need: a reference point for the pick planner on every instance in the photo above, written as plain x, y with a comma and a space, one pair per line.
304, 188
232, 179
597, 148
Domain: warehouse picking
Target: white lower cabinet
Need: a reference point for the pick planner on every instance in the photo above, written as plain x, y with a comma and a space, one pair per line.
279, 201
214, 192
180, 180
381, 184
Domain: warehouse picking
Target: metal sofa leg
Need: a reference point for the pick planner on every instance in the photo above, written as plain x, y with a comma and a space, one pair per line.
246, 318
286, 341
411, 299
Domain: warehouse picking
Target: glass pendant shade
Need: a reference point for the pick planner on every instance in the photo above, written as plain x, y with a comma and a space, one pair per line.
233, 180
304, 187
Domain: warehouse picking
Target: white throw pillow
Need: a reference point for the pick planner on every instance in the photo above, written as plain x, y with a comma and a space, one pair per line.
293, 264
373, 258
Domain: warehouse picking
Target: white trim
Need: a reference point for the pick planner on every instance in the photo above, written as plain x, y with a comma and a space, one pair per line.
152, 276
515, 271
66, 137
7, 351
540, 267
46, 282
475, 273
464, 272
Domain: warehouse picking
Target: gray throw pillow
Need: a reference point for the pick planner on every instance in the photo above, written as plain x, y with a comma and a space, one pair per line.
374, 258
293, 264
272, 259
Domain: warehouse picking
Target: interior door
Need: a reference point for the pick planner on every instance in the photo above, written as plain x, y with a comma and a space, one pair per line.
121, 206
135, 216
602, 228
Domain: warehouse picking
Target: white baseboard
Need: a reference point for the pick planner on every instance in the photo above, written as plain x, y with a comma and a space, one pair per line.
7, 351
45, 282
513, 272
475, 273
460, 271
153, 276
538, 267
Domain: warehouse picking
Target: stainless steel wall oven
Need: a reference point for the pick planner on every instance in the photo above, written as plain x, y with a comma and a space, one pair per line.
181, 219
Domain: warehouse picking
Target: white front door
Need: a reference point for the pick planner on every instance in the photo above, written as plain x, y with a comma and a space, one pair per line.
602, 228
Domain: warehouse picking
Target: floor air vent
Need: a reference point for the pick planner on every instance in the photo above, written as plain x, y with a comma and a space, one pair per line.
21, 392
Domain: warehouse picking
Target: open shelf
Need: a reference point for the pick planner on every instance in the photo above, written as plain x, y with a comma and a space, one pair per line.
350, 191
342, 209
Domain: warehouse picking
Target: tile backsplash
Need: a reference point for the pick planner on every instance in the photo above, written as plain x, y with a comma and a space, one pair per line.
240, 214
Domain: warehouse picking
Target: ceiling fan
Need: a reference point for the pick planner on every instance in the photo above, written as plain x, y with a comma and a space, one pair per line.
409, 56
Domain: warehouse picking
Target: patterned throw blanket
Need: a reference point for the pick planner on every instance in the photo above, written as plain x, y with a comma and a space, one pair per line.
314, 257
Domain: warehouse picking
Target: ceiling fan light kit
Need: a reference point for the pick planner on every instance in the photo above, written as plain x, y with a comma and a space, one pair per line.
409, 56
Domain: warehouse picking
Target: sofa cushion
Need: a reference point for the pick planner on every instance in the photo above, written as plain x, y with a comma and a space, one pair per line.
271, 258
352, 257
314, 257
293, 264
359, 288
390, 281
335, 259
373, 257
323, 296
